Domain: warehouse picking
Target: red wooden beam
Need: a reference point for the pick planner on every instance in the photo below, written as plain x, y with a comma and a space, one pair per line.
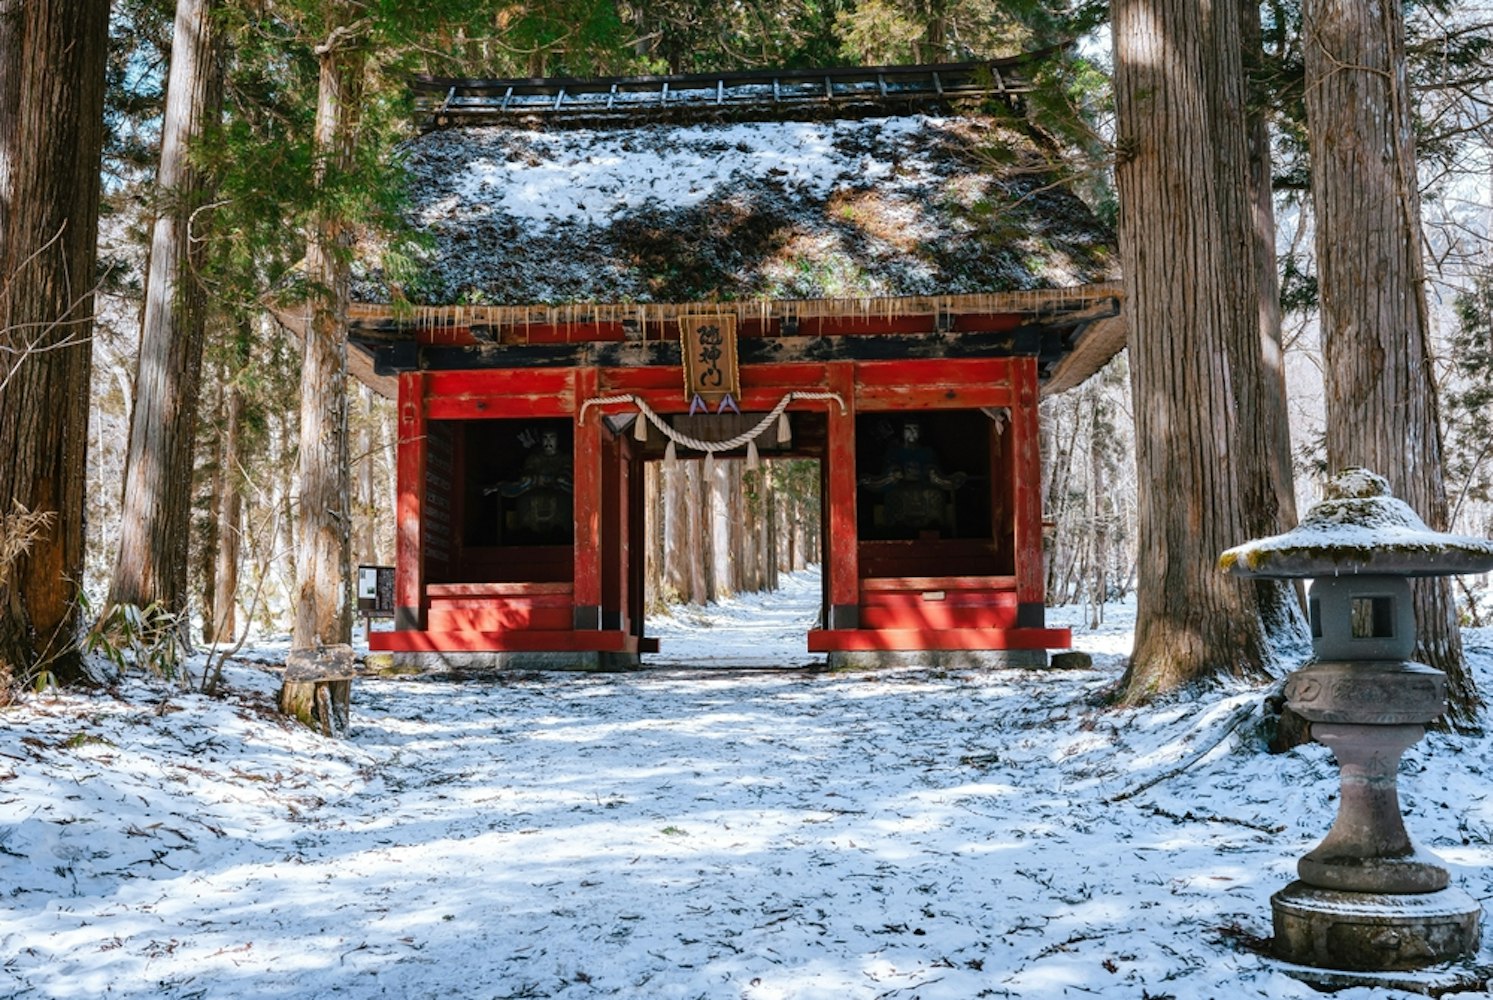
409, 552
1026, 475
637, 550
931, 396
499, 392
934, 372
766, 381
614, 524
488, 407
932, 615
945, 583
497, 616
841, 560
501, 382
481, 590
588, 502
809, 326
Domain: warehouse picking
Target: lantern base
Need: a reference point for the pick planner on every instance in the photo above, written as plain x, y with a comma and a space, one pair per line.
1374, 932
1436, 981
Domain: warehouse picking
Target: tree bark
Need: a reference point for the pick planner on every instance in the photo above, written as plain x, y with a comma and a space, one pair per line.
704, 540
323, 610
52, 61
1382, 407
751, 552
323, 604
10, 106
1271, 507
1099, 494
230, 518
656, 532
677, 509
1186, 243
209, 475
770, 527
151, 564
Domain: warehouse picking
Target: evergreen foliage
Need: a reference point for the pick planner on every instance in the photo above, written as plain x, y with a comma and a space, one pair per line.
269, 189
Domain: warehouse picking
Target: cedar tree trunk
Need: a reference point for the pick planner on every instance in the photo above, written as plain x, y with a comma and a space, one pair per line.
323, 608
1382, 410
151, 565
1186, 243
1278, 505
229, 517
52, 60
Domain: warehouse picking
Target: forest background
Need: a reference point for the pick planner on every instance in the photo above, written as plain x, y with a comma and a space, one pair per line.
266, 185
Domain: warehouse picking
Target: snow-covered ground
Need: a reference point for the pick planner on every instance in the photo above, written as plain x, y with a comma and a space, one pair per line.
747, 834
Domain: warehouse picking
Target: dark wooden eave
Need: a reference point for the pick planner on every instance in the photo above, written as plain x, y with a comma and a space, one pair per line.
1072, 336
443, 101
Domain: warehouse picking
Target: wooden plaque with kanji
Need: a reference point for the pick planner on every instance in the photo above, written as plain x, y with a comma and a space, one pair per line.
708, 345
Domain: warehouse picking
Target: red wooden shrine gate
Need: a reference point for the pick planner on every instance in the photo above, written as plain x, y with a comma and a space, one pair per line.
893, 244
472, 580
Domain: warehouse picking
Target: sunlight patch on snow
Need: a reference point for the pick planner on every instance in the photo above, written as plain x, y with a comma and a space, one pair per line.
752, 834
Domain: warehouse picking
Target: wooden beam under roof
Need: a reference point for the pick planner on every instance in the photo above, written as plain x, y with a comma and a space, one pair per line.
442, 101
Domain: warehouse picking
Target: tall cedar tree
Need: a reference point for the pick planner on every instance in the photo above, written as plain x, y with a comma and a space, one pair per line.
52, 62
1382, 410
350, 33
151, 564
323, 613
1187, 247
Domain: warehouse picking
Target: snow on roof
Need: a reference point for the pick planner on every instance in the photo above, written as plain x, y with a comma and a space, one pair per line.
1359, 527
762, 210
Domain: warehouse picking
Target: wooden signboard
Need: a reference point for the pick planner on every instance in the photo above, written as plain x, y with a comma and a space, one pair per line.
376, 591
708, 345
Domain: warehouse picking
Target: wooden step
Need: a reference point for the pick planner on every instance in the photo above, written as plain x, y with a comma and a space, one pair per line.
870, 640
525, 641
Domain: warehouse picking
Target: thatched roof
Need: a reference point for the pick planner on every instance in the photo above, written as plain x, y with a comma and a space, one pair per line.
748, 211
911, 191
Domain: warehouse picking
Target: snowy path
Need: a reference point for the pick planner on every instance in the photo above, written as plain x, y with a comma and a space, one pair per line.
755, 630
741, 834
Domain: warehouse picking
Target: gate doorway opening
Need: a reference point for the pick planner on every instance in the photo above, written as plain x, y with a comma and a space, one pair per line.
731, 563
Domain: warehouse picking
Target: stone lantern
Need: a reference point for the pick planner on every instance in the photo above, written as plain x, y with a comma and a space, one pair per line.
1367, 899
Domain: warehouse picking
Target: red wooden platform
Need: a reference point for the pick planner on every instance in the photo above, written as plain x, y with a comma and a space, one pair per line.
863, 640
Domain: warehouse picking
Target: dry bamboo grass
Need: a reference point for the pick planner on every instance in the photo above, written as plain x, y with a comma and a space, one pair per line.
19, 530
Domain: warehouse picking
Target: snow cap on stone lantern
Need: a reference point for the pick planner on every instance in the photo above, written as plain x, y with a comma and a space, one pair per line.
1359, 527
1360, 543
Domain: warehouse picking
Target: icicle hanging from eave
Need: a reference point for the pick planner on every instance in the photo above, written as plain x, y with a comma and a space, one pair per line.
444, 321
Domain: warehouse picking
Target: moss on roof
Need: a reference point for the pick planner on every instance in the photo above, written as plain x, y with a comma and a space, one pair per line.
875, 207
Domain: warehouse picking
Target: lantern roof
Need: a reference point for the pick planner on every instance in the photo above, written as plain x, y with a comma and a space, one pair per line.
1359, 527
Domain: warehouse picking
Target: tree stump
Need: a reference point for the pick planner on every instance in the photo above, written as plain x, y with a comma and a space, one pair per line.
318, 685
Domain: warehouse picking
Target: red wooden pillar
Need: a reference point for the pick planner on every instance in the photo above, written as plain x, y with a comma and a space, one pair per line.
616, 497
621, 527
841, 560
588, 502
409, 549
637, 540
1026, 473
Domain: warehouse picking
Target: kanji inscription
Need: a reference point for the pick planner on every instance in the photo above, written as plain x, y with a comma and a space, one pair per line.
708, 345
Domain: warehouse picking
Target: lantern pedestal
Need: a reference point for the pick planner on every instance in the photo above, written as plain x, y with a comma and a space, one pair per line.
1368, 898
1365, 931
